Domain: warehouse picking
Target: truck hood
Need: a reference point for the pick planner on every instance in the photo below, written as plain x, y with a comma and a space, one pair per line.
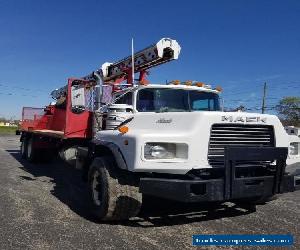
190, 124
186, 121
191, 128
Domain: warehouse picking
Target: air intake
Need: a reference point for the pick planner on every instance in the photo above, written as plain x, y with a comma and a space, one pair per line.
240, 135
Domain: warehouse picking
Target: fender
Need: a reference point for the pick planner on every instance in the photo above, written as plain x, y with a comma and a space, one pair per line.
115, 150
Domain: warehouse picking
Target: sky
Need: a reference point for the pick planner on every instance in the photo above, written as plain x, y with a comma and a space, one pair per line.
235, 44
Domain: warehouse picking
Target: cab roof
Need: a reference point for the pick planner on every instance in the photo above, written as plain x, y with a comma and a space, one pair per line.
173, 86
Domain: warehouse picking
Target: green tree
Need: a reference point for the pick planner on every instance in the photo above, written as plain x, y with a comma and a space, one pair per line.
289, 110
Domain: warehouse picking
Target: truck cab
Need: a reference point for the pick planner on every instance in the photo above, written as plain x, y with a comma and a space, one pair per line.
179, 144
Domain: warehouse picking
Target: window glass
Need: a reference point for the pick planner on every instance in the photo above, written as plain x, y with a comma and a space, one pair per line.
125, 99
204, 101
176, 100
162, 100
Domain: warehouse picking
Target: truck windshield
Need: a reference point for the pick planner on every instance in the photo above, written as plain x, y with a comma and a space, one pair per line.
176, 100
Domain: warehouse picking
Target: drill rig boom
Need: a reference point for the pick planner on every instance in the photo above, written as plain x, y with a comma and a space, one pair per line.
163, 51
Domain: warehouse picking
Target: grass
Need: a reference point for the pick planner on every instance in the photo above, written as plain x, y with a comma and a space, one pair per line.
7, 130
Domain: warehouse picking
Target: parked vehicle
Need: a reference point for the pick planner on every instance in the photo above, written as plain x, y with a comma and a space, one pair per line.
166, 140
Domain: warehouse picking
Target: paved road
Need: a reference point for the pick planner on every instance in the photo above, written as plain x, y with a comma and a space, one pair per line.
44, 207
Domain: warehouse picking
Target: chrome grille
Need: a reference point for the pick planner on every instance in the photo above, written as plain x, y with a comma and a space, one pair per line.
223, 135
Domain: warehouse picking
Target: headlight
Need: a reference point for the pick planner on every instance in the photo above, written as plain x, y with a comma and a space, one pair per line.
294, 148
161, 150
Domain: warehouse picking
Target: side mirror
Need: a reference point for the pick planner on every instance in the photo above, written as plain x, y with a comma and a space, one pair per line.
77, 99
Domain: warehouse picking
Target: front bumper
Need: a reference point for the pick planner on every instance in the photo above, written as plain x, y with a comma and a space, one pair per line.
213, 190
228, 187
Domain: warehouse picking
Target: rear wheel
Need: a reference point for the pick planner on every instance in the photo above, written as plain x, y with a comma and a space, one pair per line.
31, 151
24, 148
114, 193
47, 155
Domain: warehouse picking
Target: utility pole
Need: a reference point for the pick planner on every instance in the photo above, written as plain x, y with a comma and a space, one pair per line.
263, 106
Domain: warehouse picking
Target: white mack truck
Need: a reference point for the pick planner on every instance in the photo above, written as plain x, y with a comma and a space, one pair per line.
171, 141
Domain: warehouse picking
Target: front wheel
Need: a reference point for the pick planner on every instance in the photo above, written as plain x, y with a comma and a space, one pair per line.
114, 193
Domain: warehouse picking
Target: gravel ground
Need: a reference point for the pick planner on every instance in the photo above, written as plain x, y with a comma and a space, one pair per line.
44, 206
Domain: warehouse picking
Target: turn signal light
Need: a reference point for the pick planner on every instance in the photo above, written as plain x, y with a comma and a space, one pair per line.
176, 82
200, 84
123, 129
218, 88
188, 83
144, 82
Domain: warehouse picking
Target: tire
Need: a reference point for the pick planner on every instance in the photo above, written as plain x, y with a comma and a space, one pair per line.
31, 151
23, 148
114, 193
47, 155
